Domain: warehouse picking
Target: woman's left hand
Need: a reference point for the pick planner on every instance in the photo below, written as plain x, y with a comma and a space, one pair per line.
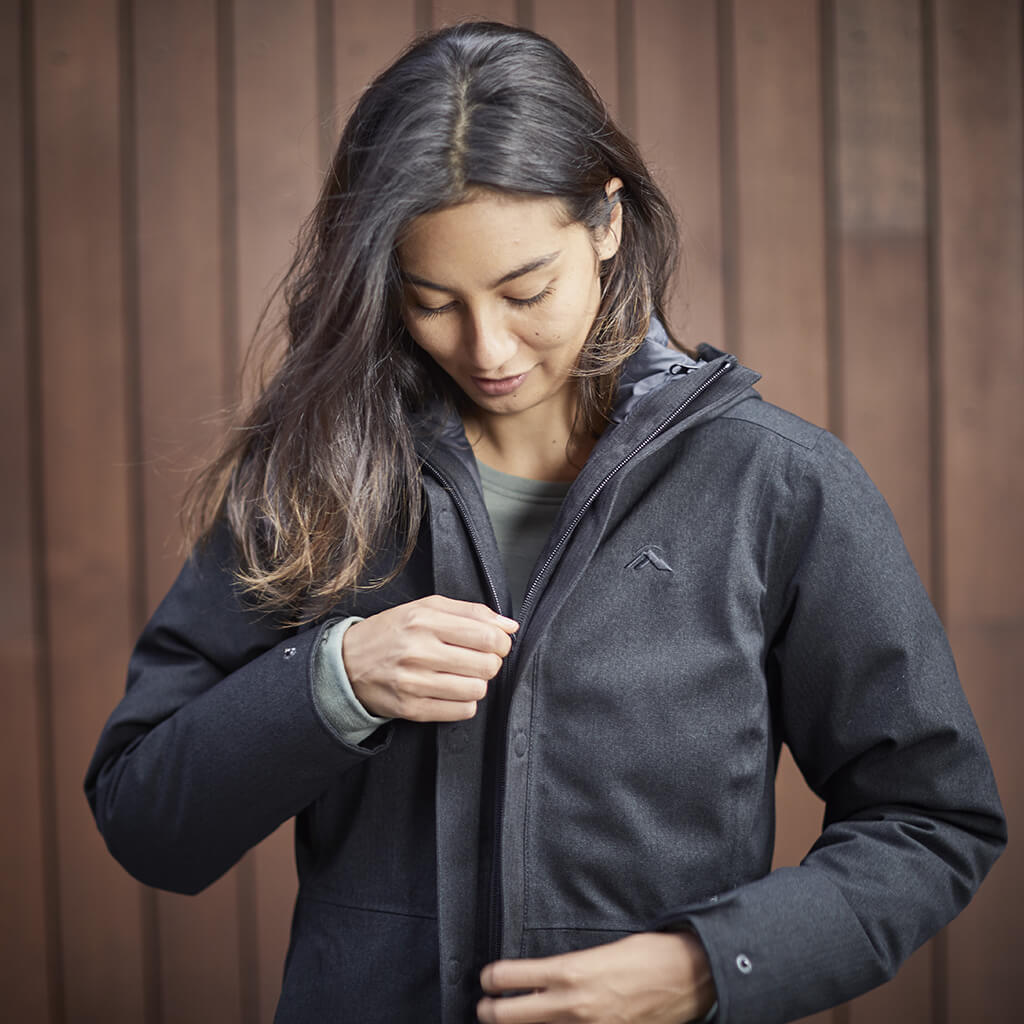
653, 978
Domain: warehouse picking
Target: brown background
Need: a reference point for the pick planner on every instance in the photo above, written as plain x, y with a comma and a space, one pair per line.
849, 179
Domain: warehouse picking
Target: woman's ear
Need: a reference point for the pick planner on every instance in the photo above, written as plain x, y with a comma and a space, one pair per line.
610, 237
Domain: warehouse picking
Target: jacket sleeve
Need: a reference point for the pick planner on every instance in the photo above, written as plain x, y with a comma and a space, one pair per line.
866, 695
219, 737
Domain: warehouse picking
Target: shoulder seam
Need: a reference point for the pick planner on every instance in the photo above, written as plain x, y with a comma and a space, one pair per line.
808, 446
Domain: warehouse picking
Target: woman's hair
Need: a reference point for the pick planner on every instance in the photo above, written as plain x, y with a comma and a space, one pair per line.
322, 476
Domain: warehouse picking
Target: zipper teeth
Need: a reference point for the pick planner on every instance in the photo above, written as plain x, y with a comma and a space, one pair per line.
724, 368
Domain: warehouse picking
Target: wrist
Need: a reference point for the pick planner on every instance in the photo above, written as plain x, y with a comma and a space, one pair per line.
702, 979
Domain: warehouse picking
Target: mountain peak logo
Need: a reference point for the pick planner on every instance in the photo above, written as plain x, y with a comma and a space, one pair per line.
649, 556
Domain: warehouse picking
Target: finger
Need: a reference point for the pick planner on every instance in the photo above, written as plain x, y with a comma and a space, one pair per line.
472, 634
440, 711
519, 975
433, 656
531, 1008
475, 664
470, 610
446, 686
479, 633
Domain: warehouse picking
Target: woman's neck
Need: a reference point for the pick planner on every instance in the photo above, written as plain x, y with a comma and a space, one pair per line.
538, 447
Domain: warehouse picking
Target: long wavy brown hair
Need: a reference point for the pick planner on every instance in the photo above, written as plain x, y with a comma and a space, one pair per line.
320, 478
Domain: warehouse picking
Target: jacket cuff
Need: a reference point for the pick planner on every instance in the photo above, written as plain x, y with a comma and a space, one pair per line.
762, 938
332, 692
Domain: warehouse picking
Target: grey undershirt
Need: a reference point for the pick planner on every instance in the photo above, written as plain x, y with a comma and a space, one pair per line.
522, 512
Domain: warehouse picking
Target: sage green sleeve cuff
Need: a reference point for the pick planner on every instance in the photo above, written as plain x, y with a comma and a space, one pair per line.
334, 695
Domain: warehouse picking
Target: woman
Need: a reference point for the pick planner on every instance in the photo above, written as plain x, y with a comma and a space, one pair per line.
510, 603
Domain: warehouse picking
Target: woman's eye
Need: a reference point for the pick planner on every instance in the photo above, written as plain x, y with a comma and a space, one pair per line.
429, 312
532, 300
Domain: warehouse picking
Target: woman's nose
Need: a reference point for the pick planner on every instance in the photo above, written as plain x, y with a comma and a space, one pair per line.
490, 343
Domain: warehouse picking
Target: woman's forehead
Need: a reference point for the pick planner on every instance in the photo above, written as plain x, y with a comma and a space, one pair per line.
484, 236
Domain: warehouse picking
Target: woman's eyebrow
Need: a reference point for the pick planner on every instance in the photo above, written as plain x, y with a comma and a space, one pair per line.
526, 268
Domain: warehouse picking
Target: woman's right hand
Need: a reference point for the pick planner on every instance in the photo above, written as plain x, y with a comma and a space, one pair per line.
427, 660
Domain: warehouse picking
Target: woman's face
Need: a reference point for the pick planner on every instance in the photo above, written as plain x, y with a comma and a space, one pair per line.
502, 293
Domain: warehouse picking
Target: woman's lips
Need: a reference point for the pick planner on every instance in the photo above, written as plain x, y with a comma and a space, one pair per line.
499, 386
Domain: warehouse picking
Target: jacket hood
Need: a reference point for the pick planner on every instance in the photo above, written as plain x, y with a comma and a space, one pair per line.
650, 367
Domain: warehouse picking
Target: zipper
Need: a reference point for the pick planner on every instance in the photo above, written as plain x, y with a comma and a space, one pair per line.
496, 907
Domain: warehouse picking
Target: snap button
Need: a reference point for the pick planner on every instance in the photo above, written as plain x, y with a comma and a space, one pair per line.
520, 744
744, 964
289, 652
712, 899
454, 971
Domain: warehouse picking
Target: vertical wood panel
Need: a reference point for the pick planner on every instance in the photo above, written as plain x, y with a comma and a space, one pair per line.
778, 294
879, 215
183, 367
884, 409
446, 13
678, 129
182, 386
884, 412
25, 942
780, 247
366, 40
276, 143
83, 353
981, 269
586, 30
277, 159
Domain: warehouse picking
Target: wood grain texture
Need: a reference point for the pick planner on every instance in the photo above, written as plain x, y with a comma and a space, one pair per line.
182, 386
586, 30
882, 238
980, 270
183, 368
779, 202
26, 944
678, 129
446, 13
880, 235
366, 39
89, 574
277, 158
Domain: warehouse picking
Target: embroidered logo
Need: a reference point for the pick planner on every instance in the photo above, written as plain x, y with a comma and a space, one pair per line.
649, 556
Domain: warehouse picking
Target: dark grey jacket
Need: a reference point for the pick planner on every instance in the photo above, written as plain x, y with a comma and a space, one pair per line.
722, 578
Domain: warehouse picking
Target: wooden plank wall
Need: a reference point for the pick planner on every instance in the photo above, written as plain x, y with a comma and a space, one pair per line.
848, 174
